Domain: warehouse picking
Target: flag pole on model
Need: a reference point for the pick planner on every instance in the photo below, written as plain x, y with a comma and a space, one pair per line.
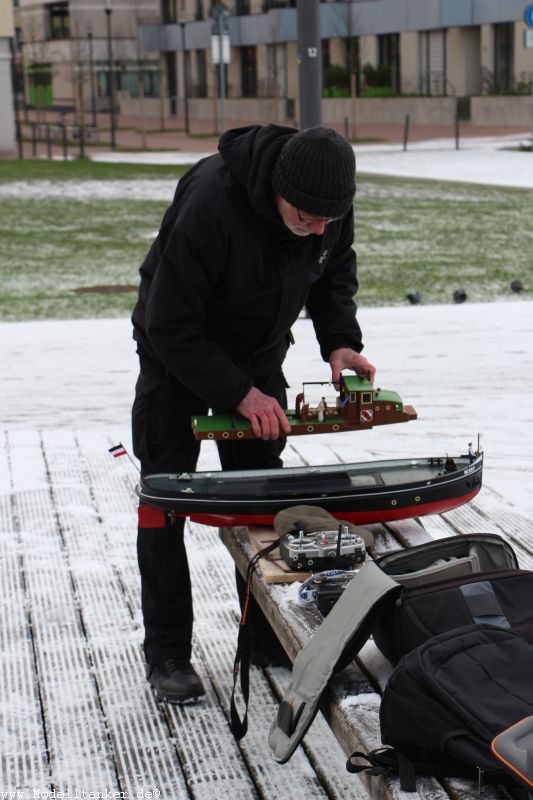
119, 450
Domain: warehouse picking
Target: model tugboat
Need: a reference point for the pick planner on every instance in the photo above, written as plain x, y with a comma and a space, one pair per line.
358, 407
363, 493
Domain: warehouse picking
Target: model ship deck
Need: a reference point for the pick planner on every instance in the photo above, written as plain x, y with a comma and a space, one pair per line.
358, 407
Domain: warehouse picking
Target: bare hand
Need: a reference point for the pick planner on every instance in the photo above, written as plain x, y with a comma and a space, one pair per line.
265, 414
346, 358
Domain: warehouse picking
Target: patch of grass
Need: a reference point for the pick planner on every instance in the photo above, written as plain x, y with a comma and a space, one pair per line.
411, 235
435, 237
84, 169
52, 248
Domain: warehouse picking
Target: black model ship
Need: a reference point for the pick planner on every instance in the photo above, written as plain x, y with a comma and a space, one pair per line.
377, 491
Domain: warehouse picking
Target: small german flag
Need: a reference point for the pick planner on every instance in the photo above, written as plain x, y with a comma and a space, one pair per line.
118, 450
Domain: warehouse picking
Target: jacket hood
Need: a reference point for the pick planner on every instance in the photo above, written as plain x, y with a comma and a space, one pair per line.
250, 154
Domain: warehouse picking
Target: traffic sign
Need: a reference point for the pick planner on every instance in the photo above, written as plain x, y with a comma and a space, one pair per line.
528, 16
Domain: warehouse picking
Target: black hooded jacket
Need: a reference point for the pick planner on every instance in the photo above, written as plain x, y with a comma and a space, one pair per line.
225, 279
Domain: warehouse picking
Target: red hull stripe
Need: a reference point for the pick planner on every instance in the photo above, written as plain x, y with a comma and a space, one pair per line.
357, 517
150, 517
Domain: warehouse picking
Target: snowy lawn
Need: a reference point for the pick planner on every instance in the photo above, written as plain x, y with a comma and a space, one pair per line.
72, 248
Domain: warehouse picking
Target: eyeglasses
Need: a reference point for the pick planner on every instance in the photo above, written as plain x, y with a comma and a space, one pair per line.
310, 220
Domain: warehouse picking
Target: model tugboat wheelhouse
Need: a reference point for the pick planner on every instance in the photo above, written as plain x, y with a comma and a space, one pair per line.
358, 407
377, 491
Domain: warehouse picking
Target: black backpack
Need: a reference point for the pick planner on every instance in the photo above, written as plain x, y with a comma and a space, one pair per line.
461, 615
448, 700
475, 579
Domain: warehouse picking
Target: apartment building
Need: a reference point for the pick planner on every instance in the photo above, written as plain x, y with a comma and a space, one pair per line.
163, 53
7, 117
71, 47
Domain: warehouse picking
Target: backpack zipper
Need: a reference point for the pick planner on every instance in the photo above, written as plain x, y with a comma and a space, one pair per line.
452, 583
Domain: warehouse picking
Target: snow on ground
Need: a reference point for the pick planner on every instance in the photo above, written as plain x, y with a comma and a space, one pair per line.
164, 157
491, 161
486, 160
86, 191
467, 369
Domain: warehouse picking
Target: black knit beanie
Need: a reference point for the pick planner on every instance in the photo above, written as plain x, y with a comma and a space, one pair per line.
315, 172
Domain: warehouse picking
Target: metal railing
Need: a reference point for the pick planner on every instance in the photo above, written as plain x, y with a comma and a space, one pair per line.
73, 137
434, 83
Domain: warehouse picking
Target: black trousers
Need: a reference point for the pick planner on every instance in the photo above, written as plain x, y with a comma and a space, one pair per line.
163, 442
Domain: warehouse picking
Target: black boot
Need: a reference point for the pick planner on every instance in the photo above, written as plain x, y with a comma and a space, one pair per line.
174, 681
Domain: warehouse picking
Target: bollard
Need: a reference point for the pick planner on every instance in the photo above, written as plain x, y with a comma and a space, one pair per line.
406, 125
33, 138
82, 143
64, 139
457, 129
346, 129
19, 139
48, 142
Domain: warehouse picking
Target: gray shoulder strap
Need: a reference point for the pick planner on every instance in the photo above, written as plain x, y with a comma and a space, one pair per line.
316, 661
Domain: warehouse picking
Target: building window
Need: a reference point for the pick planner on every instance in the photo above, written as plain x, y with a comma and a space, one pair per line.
131, 83
268, 4
351, 44
102, 78
276, 82
199, 10
242, 7
248, 71
326, 55
151, 83
168, 12
170, 64
503, 56
432, 59
58, 21
389, 56
201, 75
40, 85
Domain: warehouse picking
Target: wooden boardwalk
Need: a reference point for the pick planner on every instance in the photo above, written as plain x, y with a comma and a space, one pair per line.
77, 714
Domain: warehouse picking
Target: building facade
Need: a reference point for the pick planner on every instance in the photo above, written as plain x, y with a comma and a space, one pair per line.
164, 54
70, 48
7, 116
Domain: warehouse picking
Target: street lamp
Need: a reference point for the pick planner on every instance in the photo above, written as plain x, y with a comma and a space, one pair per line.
108, 11
220, 15
183, 26
91, 73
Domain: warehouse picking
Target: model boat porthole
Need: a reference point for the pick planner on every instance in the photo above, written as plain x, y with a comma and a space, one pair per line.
394, 502
210, 435
240, 434
309, 428
417, 498
335, 427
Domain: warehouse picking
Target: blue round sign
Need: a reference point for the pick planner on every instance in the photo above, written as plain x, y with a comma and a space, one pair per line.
528, 16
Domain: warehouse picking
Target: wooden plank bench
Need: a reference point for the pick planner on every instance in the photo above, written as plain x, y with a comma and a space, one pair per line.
351, 702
